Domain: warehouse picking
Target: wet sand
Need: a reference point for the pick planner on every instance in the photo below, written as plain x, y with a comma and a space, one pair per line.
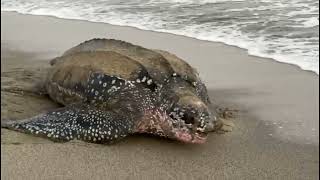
276, 134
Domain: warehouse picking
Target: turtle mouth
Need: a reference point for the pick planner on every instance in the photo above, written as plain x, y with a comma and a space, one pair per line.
194, 138
160, 123
188, 133
188, 127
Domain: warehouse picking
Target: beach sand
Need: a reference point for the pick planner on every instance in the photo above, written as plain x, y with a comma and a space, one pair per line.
276, 134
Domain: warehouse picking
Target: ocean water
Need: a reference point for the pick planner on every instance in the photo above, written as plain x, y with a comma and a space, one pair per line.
285, 30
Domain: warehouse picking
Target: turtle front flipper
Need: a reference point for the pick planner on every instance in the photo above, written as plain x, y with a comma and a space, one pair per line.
113, 91
78, 121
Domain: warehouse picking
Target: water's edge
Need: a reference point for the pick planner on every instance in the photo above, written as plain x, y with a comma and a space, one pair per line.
271, 58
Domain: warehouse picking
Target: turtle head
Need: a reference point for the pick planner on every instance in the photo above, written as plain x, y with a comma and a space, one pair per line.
158, 120
192, 111
179, 113
188, 105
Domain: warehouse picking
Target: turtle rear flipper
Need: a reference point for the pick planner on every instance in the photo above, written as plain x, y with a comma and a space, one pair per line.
36, 90
78, 121
25, 81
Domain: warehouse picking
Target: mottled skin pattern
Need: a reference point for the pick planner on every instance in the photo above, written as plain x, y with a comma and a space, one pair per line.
80, 121
111, 109
187, 105
160, 65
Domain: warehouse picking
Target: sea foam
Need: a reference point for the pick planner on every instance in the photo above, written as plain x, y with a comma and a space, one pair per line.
286, 30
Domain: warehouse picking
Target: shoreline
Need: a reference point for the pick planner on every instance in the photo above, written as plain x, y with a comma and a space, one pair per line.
57, 48
168, 33
276, 134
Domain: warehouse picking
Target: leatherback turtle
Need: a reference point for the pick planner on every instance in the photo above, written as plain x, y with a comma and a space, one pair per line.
112, 88
173, 75
104, 103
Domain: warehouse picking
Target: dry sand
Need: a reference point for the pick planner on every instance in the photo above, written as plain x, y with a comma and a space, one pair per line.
276, 134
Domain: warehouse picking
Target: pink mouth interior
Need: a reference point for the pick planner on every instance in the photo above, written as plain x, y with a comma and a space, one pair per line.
188, 138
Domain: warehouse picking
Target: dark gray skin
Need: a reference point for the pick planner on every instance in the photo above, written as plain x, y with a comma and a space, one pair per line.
108, 108
161, 66
187, 106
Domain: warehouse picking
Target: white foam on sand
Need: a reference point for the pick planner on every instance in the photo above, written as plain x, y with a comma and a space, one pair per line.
299, 49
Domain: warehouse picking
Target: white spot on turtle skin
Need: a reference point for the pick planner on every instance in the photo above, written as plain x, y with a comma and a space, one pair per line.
104, 85
144, 79
113, 81
138, 80
96, 93
92, 81
149, 81
174, 74
194, 83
